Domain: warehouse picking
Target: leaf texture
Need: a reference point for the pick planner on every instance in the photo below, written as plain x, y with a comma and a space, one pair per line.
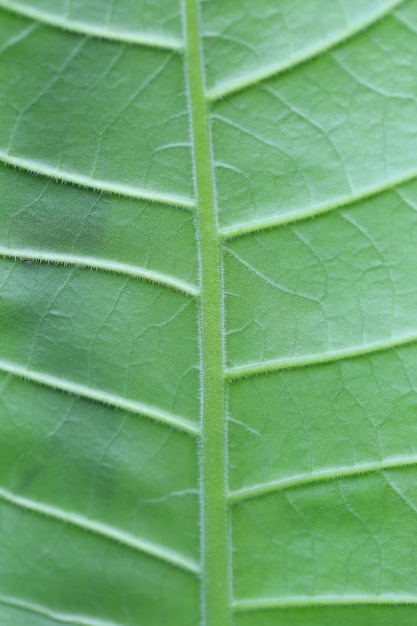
207, 302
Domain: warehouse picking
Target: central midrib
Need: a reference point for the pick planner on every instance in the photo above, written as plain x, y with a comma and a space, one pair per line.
214, 520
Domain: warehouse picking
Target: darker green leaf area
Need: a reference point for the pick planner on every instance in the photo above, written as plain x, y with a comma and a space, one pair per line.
328, 616
44, 218
101, 342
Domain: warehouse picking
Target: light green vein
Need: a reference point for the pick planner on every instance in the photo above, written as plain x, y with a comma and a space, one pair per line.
110, 399
103, 530
117, 188
165, 42
234, 85
106, 265
63, 618
248, 228
262, 604
212, 454
320, 476
276, 365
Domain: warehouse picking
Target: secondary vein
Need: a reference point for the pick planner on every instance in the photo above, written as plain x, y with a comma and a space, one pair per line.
287, 602
231, 86
276, 365
321, 476
63, 618
103, 530
106, 265
92, 30
285, 219
98, 395
117, 188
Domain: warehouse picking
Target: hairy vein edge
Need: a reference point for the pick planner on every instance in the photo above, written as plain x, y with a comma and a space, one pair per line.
106, 265
235, 85
54, 382
321, 476
277, 365
103, 530
91, 30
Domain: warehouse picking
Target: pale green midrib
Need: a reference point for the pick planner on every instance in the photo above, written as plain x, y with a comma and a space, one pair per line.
115, 188
250, 228
105, 531
230, 87
163, 42
101, 264
289, 602
109, 399
214, 511
276, 365
321, 476
63, 618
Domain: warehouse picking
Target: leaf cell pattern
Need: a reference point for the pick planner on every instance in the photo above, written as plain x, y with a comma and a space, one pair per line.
207, 301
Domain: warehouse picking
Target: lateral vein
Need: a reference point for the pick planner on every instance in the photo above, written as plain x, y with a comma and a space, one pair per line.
107, 265
103, 530
63, 618
82, 28
249, 228
320, 476
119, 189
110, 399
276, 365
229, 87
263, 604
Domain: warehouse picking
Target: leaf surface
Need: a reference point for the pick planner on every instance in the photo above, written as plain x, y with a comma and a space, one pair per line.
208, 349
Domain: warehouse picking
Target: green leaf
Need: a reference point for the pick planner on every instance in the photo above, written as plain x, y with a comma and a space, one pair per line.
208, 340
